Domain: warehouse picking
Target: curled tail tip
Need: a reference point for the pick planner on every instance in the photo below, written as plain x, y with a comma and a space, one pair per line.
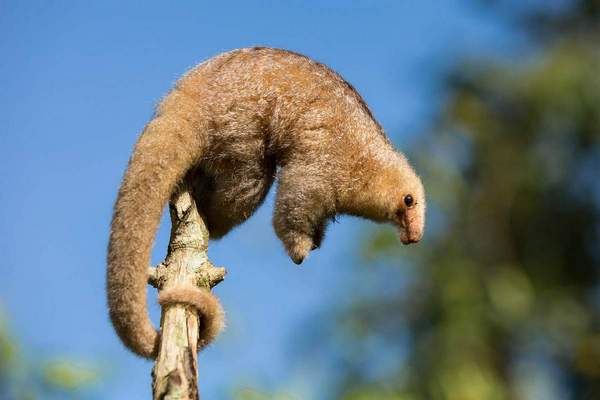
210, 311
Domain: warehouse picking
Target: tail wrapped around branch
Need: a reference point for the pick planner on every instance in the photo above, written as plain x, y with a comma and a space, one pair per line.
211, 314
169, 146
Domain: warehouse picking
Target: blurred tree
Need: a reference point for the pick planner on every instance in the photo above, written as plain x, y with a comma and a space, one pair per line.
50, 379
253, 394
502, 298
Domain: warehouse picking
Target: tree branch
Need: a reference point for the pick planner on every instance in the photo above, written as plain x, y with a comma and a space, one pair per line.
175, 370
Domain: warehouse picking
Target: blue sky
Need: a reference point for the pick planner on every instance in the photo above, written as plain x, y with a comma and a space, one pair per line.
79, 81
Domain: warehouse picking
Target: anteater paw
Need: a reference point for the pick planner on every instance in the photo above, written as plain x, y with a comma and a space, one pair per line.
298, 247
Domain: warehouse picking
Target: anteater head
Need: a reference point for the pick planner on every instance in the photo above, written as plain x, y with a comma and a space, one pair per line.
409, 206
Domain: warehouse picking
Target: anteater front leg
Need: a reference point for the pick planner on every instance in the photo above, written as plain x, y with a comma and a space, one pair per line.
305, 200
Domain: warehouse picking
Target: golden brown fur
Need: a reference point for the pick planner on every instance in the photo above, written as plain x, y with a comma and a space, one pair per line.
211, 313
235, 122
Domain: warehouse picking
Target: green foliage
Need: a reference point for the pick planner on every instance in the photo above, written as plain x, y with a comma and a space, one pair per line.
21, 379
252, 394
68, 375
503, 297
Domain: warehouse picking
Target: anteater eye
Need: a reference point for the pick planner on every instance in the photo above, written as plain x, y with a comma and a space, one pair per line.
408, 200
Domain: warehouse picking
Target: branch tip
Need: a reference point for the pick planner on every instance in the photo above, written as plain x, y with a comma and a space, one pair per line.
152, 273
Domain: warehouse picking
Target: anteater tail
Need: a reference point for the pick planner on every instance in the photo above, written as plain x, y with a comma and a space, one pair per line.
169, 146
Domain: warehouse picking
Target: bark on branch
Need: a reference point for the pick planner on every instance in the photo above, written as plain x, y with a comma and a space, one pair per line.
175, 371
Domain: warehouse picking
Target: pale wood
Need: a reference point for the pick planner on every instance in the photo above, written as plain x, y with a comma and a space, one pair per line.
175, 373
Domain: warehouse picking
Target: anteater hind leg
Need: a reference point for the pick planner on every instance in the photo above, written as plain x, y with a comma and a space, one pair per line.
226, 199
305, 201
